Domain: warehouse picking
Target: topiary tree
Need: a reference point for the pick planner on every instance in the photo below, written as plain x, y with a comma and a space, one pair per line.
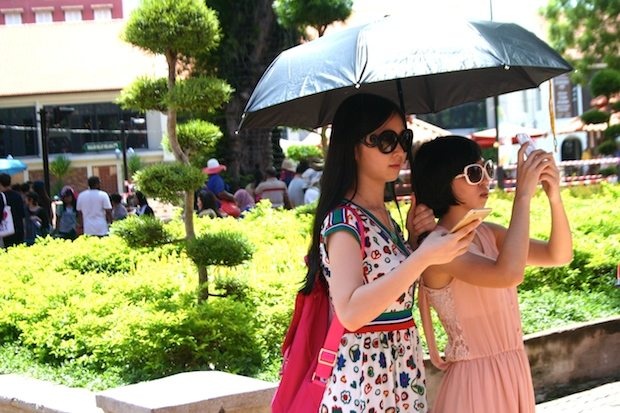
184, 31
605, 83
225, 248
200, 140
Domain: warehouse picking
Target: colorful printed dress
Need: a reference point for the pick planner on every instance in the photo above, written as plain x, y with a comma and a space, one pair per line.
379, 368
486, 367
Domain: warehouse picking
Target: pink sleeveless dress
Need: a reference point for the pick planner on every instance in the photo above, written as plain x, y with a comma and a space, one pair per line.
486, 369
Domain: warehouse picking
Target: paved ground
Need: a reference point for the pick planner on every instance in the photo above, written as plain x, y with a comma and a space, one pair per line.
601, 399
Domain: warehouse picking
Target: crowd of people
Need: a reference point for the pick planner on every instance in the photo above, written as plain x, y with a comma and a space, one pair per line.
296, 184
69, 215
92, 211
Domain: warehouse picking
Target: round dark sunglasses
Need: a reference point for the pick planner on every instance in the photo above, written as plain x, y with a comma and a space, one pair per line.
387, 141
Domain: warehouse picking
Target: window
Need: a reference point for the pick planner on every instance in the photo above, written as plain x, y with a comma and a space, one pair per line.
12, 16
43, 14
18, 136
102, 11
73, 15
468, 115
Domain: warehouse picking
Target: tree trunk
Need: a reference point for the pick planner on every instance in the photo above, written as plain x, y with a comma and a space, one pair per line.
203, 284
243, 63
179, 155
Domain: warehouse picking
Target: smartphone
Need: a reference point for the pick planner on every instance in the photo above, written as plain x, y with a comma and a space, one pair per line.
471, 216
525, 138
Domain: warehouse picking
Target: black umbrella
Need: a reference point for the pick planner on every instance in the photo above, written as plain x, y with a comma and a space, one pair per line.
425, 65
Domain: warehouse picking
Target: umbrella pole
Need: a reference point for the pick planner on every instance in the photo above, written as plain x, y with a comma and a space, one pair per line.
401, 101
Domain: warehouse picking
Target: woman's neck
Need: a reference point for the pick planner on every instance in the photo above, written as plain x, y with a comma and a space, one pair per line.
454, 215
369, 197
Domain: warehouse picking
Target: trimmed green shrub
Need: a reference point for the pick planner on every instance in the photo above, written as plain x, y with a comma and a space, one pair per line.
594, 116
300, 152
612, 131
168, 181
222, 248
97, 313
143, 231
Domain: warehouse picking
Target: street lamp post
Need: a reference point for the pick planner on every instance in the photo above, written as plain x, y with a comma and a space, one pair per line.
45, 148
124, 150
124, 153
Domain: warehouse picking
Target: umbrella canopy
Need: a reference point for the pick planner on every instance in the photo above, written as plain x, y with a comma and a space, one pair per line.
12, 166
434, 65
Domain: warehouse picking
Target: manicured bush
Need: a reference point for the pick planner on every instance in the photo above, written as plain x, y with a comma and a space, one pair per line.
141, 231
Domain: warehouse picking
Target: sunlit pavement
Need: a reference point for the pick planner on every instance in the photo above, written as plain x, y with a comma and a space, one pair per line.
601, 399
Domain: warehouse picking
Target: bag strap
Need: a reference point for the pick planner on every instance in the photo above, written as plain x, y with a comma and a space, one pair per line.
329, 351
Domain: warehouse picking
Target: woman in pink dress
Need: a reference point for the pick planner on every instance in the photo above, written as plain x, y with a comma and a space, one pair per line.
475, 295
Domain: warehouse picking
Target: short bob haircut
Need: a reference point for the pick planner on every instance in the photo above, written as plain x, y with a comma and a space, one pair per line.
435, 165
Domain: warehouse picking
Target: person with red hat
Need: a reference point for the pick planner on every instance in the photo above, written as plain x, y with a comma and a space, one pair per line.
216, 184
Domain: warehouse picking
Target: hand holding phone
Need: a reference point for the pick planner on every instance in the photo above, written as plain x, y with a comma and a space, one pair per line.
525, 138
471, 216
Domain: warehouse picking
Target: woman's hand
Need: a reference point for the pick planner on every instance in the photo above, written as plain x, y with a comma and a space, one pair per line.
529, 171
550, 179
441, 247
420, 221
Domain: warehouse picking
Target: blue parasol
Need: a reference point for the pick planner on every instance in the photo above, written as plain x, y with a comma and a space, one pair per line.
12, 166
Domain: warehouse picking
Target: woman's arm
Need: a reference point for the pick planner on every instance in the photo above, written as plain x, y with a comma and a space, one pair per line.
356, 303
559, 249
513, 243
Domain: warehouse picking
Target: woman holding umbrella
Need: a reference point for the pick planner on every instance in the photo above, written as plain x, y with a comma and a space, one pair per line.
379, 365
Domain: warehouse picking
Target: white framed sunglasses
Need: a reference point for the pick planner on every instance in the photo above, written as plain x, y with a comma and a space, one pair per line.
475, 172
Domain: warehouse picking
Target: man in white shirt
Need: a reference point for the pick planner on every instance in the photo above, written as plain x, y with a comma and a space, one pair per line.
94, 209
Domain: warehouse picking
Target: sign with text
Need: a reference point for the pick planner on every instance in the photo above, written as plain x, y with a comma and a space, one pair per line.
563, 96
101, 146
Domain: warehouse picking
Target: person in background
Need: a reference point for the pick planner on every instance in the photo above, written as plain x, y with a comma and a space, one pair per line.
66, 215
207, 205
45, 201
274, 190
287, 171
475, 294
216, 184
313, 191
251, 187
37, 219
298, 185
244, 200
118, 209
94, 210
143, 205
18, 211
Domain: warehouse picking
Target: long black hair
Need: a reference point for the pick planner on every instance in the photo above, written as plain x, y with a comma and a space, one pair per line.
356, 117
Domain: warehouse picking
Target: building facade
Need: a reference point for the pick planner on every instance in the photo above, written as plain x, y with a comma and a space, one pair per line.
71, 70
